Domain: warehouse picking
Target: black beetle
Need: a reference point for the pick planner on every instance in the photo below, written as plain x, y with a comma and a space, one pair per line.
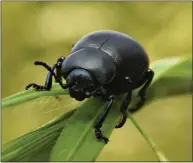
102, 64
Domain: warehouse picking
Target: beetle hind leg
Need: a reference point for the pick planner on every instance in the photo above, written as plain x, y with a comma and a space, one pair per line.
125, 105
142, 92
123, 109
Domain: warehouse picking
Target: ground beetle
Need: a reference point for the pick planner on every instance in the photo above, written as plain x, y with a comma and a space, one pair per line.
102, 64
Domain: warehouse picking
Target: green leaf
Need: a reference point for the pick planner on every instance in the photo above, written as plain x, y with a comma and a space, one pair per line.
36, 145
172, 77
160, 155
30, 95
177, 75
74, 139
70, 148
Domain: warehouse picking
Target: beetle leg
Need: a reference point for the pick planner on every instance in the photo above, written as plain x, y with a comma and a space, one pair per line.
101, 119
142, 92
57, 76
58, 67
124, 107
51, 71
48, 82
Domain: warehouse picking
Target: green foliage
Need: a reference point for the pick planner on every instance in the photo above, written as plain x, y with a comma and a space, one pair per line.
30, 95
71, 138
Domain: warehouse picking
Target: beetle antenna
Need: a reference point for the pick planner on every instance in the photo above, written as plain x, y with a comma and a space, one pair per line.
44, 65
64, 86
47, 67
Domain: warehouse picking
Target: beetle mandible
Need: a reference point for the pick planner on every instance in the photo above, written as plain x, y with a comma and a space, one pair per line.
102, 64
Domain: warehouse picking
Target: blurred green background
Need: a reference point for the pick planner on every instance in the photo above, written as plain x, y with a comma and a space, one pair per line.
46, 30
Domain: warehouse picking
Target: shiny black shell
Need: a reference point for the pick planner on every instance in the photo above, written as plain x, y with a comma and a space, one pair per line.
110, 56
94, 60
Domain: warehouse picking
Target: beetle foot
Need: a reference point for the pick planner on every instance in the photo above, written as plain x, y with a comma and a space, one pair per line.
99, 135
139, 104
122, 121
37, 87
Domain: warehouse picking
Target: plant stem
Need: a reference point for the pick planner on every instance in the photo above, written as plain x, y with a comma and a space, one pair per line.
156, 149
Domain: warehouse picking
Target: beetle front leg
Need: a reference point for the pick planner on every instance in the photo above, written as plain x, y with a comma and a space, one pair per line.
51, 73
101, 119
57, 75
142, 93
48, 82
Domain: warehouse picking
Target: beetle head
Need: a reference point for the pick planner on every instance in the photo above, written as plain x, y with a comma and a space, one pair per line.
82, 82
